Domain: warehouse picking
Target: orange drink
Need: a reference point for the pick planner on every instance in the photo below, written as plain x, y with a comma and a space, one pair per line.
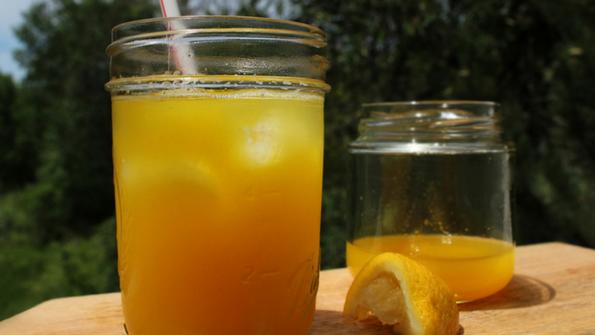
217, 150
473, 267
218, 205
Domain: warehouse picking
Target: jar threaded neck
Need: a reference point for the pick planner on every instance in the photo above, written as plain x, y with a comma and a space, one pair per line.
429, 126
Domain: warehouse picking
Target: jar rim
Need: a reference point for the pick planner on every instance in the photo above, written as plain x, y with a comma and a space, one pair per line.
131, 33
236, 18
430, 103
434, 121
379, 110
216, 45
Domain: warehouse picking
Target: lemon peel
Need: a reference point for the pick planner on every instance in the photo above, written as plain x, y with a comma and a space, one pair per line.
405, 294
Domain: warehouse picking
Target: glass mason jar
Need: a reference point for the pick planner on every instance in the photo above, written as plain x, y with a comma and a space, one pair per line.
217, 152
433, 180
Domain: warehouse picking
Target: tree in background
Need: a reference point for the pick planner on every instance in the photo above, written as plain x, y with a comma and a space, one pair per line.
56, 212
14, 170
527, 55
66, 65
537, 58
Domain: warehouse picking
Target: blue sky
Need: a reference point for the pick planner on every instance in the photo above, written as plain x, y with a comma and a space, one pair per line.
11, 17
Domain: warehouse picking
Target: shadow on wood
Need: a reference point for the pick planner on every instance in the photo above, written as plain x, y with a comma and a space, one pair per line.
522, 291
333, 322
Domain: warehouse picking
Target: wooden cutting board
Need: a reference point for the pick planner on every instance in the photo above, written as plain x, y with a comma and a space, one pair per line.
552, 292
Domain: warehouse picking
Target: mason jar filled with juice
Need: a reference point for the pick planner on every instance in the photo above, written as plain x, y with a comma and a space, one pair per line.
217, 152
433, 181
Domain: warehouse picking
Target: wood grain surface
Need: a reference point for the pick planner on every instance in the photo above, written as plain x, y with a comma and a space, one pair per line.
552, 292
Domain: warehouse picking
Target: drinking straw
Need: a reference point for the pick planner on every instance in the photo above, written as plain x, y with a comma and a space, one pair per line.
169, 8
182, 53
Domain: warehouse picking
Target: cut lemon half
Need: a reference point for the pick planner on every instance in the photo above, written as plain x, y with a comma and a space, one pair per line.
405, 294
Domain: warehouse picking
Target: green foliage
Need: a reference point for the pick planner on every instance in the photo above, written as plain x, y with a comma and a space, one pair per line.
64, 55
74, 267
16, 153
7, 124
57, 234
527, 55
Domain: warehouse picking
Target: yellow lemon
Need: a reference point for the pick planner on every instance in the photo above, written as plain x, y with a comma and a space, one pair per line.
403, 293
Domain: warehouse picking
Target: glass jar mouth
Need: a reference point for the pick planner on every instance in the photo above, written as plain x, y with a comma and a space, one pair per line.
432, 102
435, 125
207, 28
485, 108
217, 46
227, 21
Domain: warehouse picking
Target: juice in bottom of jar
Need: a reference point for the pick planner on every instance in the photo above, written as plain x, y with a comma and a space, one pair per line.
473, 267
218, 200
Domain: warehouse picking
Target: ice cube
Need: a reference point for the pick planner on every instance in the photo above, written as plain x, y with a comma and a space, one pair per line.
262, 142
150, 173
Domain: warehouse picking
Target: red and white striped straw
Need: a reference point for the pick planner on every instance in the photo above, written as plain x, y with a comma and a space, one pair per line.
169, 8
182, 53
